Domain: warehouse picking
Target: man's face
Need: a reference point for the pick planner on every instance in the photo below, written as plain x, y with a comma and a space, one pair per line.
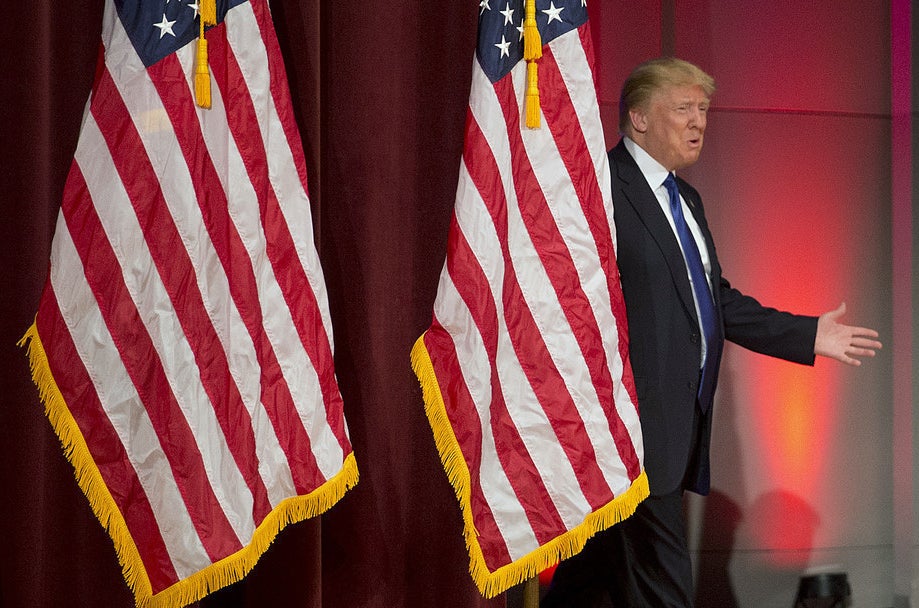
671, 128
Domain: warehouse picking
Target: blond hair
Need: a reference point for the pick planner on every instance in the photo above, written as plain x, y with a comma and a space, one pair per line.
654, 75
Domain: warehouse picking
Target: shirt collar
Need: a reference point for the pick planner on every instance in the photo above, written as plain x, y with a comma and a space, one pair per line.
654, 172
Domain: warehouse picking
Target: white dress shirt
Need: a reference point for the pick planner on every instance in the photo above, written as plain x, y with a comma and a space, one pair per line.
655, 174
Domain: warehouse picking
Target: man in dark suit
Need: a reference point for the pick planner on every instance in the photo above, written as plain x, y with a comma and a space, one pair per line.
680, 310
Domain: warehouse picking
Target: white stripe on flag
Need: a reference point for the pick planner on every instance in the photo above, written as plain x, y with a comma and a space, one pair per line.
577, 74
562, 200
292, 198
527, 413
473, 360
296, 366
155, 310
117, 395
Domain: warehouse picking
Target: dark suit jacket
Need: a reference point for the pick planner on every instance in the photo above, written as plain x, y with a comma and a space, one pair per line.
664, 336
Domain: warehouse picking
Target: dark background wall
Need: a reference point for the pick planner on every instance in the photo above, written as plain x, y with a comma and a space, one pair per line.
797, 180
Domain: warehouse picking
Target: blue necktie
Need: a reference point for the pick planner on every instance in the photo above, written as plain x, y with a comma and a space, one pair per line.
700, 288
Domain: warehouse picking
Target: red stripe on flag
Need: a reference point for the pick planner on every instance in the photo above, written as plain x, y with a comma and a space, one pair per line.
178, 275
561, 118
212, 359
523, 475
295, 286
544, 377
617, 302
467, 427
103, 273
212, 200
280, 93
587, 44
473, 288
103, 442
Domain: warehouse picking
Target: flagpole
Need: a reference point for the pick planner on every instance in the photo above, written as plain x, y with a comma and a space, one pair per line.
531, 593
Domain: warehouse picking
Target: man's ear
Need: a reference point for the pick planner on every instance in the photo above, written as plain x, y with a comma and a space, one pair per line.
639, 120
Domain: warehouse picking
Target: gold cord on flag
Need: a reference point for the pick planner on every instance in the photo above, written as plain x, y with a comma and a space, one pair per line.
208, 16
532, 51
532, 44
532, 96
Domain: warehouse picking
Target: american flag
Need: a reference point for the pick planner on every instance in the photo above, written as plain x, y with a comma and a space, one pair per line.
182, 345
525, 368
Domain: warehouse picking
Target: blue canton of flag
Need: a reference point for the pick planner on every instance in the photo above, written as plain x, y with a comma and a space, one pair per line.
158, 28
501, 30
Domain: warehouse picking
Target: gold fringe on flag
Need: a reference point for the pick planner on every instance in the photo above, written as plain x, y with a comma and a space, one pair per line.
562, 547
219, 574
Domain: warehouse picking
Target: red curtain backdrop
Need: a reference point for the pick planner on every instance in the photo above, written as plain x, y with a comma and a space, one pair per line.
380, 93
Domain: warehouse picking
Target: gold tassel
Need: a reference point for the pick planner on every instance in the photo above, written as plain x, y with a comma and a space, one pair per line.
532, 50
532, 43
208, 10
532, 97
202, 74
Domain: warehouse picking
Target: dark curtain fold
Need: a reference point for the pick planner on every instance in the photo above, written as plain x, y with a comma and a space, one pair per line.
380, 94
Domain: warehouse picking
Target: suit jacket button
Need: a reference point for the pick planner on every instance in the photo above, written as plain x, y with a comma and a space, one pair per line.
694, 338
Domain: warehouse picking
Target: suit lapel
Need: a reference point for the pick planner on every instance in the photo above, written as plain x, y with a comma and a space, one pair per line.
639, 195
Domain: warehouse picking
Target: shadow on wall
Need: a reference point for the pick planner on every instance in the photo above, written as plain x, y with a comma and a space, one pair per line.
781, 525
719, 527
712, 531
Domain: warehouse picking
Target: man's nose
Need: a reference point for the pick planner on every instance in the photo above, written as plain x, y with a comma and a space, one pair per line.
697, 118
